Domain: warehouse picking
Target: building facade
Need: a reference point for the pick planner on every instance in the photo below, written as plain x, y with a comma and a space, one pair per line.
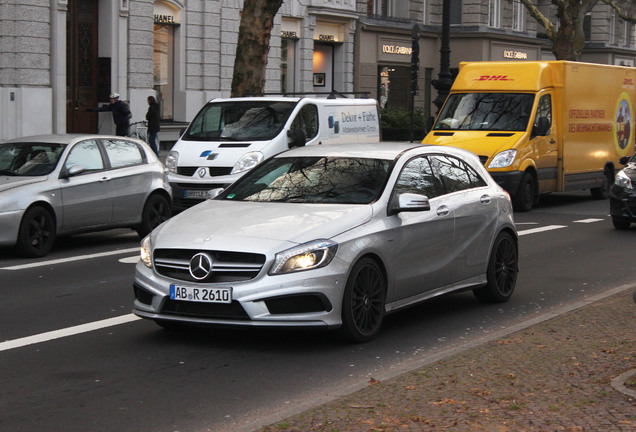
60, 57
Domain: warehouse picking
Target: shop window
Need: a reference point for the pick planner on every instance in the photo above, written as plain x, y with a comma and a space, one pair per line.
287, 65
393, 86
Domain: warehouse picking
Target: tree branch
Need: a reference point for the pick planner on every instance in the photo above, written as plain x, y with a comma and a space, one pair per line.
541, 19
619, 11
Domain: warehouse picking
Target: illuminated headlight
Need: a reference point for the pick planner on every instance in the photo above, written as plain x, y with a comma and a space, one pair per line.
247, 162
171, 161
308, 256
146, 252
503, 159
623, 180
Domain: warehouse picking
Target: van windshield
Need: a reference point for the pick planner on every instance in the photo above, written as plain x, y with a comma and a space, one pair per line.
239, 121
486, 111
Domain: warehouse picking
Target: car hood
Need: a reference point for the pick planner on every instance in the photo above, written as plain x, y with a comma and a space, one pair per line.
7, 182
257, 226
482, 143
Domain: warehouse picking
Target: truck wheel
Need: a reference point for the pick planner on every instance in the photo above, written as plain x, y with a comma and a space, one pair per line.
524, 198
602, 192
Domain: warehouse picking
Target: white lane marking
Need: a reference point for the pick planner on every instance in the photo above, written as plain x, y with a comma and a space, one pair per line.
69, 331
130, 260
541, 229
69, 259
591, 220
526, 223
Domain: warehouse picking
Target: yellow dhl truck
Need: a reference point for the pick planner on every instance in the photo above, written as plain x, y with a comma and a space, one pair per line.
541, 126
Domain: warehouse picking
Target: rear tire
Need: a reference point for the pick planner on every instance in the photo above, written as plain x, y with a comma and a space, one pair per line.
523, 200
36, 233
503, 267
156, 211
620, 224
363, 302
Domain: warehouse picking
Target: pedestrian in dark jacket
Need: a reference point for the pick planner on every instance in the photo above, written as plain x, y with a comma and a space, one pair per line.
121, 114
153, 116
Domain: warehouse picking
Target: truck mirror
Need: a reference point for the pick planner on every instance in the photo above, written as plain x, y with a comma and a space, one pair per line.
297, 138
542, 128
624, 160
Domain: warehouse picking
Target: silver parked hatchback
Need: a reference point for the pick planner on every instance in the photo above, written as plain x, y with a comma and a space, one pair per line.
63, 184
333, 236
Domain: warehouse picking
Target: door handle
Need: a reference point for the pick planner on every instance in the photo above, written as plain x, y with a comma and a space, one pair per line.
485, 199
443, 211
104, 179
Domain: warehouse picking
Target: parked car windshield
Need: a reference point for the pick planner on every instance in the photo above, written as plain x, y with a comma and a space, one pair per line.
486, 111
29, 159
239, 121
334, 180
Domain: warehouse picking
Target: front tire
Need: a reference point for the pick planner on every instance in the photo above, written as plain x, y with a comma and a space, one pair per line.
156, 211
363, 301
524, 198
503, 267
36, 233
602, 192
620, 224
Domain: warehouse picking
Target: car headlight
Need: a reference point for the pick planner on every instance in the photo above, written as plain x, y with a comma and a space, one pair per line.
171, 161
623, 181
146, 252
308, 256
503, 159
247, 162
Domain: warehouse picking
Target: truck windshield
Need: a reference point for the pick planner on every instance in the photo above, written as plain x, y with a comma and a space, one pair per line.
239, 121
486, 111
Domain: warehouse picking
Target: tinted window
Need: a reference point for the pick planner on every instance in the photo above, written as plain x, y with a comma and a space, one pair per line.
87, 155
417, 177
122, 153
455, 174
29, 159
307, 121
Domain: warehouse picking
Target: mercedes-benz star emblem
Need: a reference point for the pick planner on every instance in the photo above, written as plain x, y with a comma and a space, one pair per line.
201, 266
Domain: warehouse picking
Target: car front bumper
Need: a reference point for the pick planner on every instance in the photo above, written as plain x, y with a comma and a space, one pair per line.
9, 226
304, 299
623, 203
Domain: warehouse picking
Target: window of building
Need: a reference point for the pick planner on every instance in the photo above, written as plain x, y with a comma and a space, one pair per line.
612, 27
388, 8
494, 13
394, 86
587, 26
287, 65
518, 15
456, 12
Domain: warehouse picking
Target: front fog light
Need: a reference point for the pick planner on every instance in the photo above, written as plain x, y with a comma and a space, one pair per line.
308, 256
146, 252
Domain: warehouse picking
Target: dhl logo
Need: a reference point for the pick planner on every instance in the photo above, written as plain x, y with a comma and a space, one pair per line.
493, 78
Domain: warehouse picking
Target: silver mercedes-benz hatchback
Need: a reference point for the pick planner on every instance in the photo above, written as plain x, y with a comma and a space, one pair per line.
332, 236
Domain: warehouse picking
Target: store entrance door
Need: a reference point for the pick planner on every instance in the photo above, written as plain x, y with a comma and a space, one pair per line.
82, 73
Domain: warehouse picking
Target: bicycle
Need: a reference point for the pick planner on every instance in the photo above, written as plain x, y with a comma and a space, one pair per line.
139, 130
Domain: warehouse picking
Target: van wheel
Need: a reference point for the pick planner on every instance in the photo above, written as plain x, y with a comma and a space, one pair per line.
524, 198
602, 192
36, 233
503, 267
156, 211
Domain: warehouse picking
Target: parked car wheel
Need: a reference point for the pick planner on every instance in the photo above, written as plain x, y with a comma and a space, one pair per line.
524, 198
502, 270
620, 224
156, 211
363, 303
36, 233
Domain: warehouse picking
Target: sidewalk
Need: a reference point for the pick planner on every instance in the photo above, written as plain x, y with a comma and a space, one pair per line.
572, 373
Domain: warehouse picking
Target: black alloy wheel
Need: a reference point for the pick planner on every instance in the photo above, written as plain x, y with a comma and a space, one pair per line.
363, 302
156, 211
36, 233
503, 268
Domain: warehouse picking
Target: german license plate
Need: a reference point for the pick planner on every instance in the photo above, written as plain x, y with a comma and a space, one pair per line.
203, 295
195, 194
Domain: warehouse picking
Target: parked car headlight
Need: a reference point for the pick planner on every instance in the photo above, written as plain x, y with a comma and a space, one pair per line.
623, 181
146, 252
312, 255
171, 161
503, 159
247, 162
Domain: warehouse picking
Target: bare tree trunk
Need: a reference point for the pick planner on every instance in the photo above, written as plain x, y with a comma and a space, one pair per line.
252, 49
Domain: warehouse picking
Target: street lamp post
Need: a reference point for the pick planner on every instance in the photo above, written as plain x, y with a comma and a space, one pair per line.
445, 81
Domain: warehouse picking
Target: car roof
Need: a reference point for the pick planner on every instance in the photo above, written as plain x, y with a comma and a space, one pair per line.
59, 138
381, 150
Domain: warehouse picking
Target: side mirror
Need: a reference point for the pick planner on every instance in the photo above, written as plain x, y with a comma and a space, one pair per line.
213, 193
624, 160
297, 138
409, 202
542, 128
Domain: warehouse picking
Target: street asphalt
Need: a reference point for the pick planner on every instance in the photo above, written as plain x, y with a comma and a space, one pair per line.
574, 372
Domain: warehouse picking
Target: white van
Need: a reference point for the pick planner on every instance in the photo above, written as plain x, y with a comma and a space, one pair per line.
228, 137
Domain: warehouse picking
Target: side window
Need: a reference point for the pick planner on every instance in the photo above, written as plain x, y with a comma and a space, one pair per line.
122, 153
544, 110
455, 174
417, 177
86, 154
307, 120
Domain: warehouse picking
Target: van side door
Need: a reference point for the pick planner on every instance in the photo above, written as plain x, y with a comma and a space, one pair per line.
545, 146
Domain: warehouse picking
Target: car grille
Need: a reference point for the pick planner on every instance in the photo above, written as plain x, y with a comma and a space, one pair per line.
228, 266
214, 171
233, 310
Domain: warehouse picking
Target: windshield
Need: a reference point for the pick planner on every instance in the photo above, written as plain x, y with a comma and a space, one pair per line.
486, 111
334, 180
29, 159
239, 121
